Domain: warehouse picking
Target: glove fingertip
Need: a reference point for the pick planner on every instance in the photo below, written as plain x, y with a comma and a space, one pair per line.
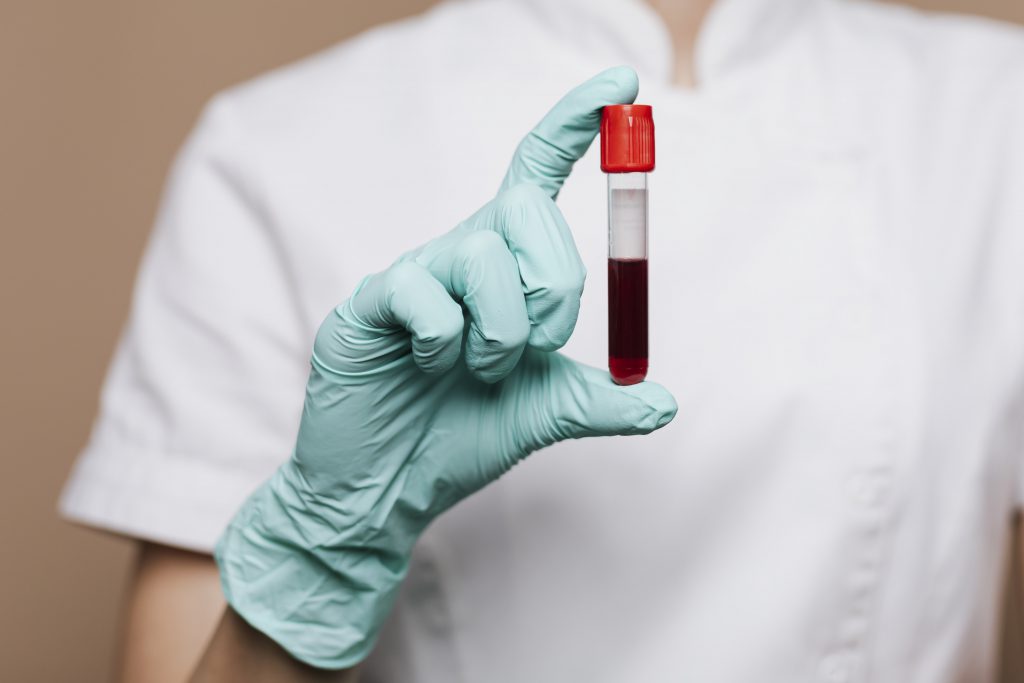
626, 82
658, 406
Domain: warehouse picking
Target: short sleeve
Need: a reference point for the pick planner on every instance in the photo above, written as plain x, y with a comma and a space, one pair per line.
202, 400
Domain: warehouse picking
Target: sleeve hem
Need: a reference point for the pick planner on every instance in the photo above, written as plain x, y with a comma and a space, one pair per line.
174, 499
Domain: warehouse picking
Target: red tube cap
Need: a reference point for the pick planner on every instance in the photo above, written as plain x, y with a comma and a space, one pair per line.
627, 138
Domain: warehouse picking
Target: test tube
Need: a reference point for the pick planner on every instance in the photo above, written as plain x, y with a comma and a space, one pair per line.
627, 155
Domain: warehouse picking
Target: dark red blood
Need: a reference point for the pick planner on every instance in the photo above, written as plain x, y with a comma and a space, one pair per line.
627, 320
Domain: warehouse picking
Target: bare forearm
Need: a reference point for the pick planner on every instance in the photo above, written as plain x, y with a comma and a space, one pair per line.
172, 607
238, 652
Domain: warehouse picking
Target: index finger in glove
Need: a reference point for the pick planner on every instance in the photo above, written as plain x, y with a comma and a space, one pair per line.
550, 266
547, 273
546, 155
372, 328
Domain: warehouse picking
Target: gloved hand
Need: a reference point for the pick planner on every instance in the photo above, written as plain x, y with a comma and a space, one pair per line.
396, 428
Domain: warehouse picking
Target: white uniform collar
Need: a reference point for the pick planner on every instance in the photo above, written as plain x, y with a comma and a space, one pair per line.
735, 33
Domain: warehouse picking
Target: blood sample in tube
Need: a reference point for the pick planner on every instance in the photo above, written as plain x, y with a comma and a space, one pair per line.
627, 155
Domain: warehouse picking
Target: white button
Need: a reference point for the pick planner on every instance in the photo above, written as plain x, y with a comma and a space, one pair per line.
852, 630
836, 668
859, 607
872, 530
863, 579
869, 489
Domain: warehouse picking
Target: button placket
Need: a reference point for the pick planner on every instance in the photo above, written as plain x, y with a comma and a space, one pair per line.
869, 486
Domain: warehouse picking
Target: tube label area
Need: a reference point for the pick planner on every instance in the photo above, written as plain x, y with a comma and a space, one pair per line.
627, 220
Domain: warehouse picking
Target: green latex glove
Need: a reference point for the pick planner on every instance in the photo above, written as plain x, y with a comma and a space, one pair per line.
396, 428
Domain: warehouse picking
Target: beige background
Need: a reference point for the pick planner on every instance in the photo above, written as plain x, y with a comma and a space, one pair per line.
94, 99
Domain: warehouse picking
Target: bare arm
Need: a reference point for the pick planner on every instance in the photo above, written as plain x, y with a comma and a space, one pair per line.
238, 652
172, 608
175, 612
1013, 610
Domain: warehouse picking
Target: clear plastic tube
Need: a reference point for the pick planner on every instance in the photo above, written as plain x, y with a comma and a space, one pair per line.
627, 277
